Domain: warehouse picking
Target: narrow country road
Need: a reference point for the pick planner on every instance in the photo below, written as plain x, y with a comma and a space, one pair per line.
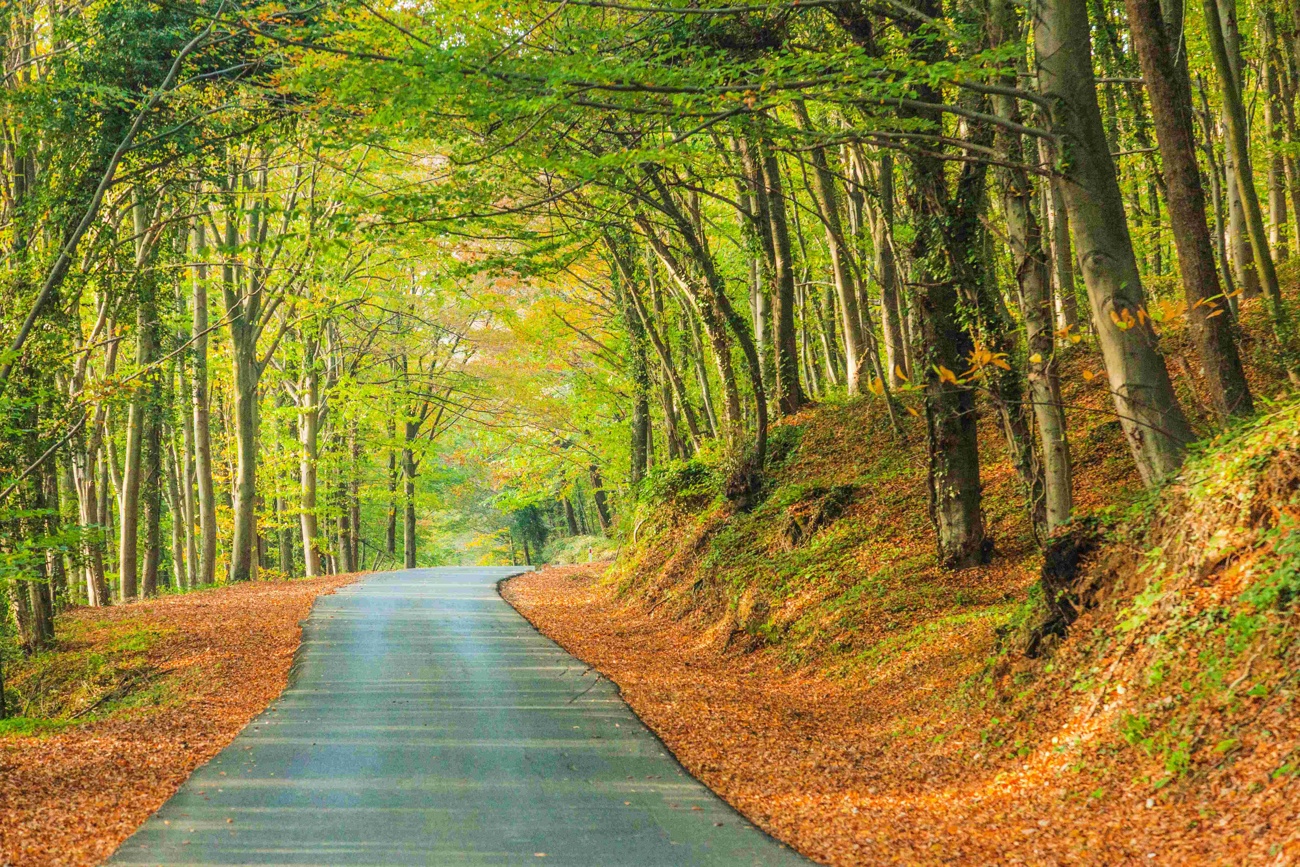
427, 723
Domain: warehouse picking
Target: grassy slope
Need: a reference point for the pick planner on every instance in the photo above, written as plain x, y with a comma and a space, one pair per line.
867, 582
1176, 690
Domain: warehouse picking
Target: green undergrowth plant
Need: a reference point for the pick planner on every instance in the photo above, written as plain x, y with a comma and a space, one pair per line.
93, 668
573, 550
831, 560
1194, 638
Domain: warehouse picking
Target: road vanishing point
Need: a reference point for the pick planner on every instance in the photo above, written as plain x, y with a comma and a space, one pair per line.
427, 723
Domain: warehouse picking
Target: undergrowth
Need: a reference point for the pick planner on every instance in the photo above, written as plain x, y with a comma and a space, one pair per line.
1183, 665
94, 668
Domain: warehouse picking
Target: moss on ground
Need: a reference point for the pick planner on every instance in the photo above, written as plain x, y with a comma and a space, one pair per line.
96, 666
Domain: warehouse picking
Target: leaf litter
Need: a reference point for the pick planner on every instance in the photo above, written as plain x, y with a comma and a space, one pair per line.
210, 661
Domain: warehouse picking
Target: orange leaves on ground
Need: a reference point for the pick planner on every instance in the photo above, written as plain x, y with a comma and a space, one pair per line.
71, 798
896, 773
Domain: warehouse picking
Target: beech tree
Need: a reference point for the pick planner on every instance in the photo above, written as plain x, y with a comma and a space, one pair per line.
274, 285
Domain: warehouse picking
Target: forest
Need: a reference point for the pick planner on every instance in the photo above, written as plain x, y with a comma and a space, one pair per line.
295, 291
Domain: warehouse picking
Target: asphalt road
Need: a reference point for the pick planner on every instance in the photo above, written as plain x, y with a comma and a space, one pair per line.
427, 723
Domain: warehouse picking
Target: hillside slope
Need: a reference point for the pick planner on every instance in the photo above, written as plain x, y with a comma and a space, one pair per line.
810, 662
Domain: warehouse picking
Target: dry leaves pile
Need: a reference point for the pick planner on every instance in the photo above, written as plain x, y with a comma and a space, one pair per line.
895, 771
70, 798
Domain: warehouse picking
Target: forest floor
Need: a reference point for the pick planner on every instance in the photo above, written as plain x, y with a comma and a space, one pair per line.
809, 661
129, 702
835, 769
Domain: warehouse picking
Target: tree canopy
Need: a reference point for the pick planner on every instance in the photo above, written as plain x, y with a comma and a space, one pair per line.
291, 291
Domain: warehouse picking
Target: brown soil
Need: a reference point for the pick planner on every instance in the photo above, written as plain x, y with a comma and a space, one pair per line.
223, 655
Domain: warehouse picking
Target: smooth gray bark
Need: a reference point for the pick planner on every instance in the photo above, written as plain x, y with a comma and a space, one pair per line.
201, 407
1152, 419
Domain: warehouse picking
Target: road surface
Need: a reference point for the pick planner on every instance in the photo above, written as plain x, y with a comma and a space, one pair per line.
427, 723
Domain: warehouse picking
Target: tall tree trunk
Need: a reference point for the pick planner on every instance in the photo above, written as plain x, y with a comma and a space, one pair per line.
1234, 110
600, 499
846, 289
55, 467
390, 531
1271, 72
1152, 419
698, 364
151, 491
761, 302
86, 459
972, 268
93, 529
891, 296
284, 543
1224, 16
285, 526
1033, 278
953, 479
570, 518
344, 519
1288, 67
408, 489
640, 422
207, 506
1169, 88
1216, 176
789, 392
30, 605
137, 432
174, 470
309, 419
1058, 220
244, 495
757, 228
185, 466
354, 496
106, 517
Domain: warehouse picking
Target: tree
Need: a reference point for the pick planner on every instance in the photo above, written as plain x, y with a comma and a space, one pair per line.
1152, 418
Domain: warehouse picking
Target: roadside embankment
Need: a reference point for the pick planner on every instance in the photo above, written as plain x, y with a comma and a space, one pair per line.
868, 709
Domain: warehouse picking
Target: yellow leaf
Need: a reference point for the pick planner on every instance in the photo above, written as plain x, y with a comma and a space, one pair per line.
913, 411
1089, 376
1075, 338
946, 375
898, 371
1000, 360
1036, 358
876, 387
